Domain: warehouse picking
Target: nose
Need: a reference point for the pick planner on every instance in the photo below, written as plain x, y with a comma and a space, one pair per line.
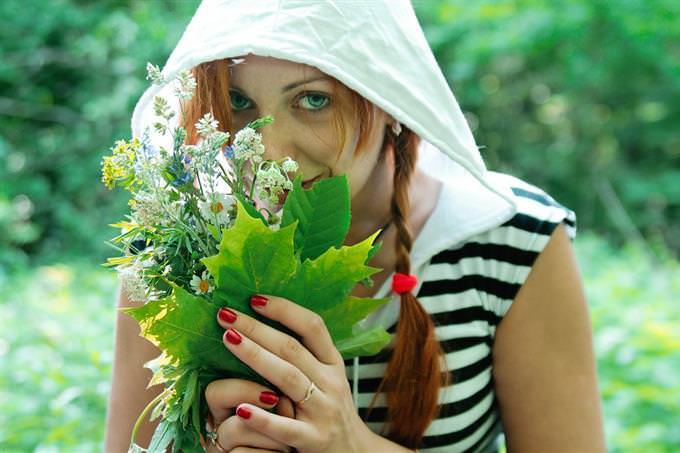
277, 141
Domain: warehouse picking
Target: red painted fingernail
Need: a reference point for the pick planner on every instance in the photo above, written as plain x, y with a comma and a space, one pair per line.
268, 397
226, 315
258, 301
243, 412
232, 336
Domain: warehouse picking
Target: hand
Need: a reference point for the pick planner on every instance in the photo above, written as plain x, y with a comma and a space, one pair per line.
327, 421
223, 396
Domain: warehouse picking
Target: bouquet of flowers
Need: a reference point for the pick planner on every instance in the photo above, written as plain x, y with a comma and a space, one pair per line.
207, 230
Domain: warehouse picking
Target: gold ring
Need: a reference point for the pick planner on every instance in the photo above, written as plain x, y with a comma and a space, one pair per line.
309, 393
212, 438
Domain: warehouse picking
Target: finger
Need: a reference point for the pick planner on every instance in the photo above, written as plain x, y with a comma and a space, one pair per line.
286, 347
285, 376
306, 323
288, 431
223, 395
250, 450
285, 408
235, 433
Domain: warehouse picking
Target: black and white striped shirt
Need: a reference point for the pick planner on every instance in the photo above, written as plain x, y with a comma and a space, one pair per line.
467, 288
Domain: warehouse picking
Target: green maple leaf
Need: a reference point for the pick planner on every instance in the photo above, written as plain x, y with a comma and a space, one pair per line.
185, 328
319, 213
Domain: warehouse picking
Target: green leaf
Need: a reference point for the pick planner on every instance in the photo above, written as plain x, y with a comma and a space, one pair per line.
365, 343
188, 397
353, 310
248, 206
322, 213
164, 434
185, 328
253, 259
258, 123
213, 230
325, 282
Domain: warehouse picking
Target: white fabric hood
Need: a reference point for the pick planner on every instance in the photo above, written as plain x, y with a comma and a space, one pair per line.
375, 47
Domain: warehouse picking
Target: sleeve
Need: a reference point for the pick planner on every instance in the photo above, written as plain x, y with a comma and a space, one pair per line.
519, 241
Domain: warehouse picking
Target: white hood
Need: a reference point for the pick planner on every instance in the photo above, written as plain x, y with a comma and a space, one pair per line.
375, 47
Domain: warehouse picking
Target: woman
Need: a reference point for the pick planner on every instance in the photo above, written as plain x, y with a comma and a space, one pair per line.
487, 258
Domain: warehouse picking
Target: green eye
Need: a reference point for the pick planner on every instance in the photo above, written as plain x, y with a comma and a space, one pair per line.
314, 101
238, 101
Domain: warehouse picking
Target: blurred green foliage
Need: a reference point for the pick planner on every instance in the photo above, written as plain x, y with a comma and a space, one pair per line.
581, 98
67, 90
55, 370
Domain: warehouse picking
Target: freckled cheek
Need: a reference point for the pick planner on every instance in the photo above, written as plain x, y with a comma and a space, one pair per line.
321, 150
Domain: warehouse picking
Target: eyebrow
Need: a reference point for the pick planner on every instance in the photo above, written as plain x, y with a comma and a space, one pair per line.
302, 82
291, 85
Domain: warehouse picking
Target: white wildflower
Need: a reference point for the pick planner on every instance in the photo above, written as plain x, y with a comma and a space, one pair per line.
153, 73
185, 85
217, 208
150, 209
289, 165
207, 125
132, 281
201, 285
270, 182
248, 145
218, 139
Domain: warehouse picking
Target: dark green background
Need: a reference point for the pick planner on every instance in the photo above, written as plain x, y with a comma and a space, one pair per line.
581, 98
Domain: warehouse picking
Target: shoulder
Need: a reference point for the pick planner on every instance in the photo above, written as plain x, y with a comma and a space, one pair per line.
498, 260
537, 211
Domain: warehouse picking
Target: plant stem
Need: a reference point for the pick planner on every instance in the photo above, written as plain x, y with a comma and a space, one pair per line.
146, 410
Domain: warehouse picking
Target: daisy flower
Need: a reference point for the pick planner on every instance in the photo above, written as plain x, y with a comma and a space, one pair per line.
216, 208
201, 285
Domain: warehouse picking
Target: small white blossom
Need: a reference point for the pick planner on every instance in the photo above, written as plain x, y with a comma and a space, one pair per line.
270, 182
217, 208
201, 285
185, 85
153, 73
207, 125
248, 145
150, 209
132, 281
218, 139
289, 165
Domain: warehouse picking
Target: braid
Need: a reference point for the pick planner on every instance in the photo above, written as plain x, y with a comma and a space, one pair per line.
413, 375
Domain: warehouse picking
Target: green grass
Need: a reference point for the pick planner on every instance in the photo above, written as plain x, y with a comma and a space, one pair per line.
56, 349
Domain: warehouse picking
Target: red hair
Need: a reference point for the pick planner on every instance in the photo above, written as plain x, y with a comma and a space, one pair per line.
416, 360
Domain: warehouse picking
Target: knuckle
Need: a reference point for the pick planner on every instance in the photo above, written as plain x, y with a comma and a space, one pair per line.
336, 387
229, 430
317, 326
211, 392
290, 348
250, 328
288, 435
256, 354
290, 377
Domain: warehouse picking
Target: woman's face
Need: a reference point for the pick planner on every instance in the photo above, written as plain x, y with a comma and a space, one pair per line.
302, 102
